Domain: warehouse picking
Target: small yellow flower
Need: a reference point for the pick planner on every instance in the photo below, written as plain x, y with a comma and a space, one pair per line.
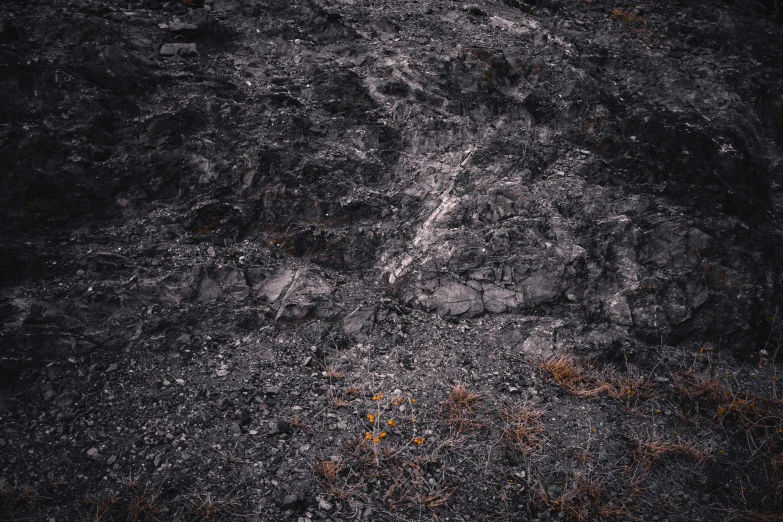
391, 423
676, 432
380, 396
375, 397
413, 420
376, 440
383, 434
413, 401
658, 411
371, 417
367, 435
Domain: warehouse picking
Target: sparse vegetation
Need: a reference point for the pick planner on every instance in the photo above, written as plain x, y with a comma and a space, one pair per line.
648, 452
627, 17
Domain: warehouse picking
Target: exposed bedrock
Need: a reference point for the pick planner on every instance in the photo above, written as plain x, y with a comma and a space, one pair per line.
559, 161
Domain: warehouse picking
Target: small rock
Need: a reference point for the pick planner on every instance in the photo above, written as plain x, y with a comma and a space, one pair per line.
222, 373
111, 460
235, 429
324, 505
93, 453
112, 367
178, 49
211, 252
179, 27
289, 500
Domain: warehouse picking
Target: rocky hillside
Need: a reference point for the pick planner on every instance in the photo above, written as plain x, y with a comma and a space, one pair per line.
390, 260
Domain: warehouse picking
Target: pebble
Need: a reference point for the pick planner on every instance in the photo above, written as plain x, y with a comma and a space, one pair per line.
324, 505
289, 500
111, 460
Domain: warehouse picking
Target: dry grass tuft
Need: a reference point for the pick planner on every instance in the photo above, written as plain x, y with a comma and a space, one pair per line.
332, 373
338, 402
459, 408
585, 500
626, 16
649, 452
776, 463
693, 387
353, 391
328, 470
577, 378
207, 508
18, 496
522, 428
142, 505
564, 370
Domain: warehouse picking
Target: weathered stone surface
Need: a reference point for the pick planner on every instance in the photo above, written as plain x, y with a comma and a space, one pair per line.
359, 323
209, 290
456, 299
274, 287
498, 299
539, 288
179, 49
618, 311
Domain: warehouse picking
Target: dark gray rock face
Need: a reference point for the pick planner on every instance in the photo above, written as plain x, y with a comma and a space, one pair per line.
612, 168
